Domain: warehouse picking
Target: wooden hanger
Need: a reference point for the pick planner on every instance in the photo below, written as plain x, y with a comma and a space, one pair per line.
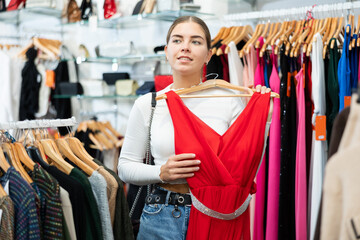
331, 34
108, 125
113, 139
4, 165
23, 156
66, 151
79, 150
38, 145
235, 33
272, 34
45, 46
55, 157
309, 40
253, 38
282, 30
357, 32
9, 149
293, 40
211, 84
285, 37
263, 34
218, 36
338, 30
246, 31
224, 35
99, 135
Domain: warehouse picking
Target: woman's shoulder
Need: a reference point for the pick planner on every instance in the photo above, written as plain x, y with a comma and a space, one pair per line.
144, 101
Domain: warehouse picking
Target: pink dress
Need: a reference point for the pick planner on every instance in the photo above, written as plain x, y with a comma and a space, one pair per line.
261, 176
251, 62
300, 170
274, 159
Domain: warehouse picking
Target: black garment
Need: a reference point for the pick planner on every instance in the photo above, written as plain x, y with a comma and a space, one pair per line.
76, 195
214, 66
62, 106
30, 87
122, 224
332, 87
287, 188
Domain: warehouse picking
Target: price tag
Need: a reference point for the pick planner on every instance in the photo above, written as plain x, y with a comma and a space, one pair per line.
320, 128
347, 101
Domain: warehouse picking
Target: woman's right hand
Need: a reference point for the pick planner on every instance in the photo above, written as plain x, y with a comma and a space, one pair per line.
179, 166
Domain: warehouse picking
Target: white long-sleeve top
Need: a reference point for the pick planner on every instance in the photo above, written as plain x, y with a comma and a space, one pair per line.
218, 113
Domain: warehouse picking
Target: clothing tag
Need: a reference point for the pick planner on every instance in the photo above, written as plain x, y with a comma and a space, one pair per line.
347, 101
288, 85
320, 128
50, 79
1, 211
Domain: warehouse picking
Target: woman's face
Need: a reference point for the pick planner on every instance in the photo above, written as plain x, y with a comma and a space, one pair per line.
186, 50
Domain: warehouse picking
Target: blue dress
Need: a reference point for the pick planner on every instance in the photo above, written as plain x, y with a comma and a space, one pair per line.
344, 71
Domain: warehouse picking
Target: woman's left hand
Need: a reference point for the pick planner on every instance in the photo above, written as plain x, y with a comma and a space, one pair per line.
262, 90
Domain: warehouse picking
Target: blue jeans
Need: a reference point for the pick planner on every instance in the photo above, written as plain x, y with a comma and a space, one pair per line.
160, 221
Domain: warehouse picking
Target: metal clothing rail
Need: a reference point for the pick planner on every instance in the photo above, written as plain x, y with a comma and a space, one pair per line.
41, 123
278, 13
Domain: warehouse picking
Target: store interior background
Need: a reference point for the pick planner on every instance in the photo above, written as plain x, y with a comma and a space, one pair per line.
145, 34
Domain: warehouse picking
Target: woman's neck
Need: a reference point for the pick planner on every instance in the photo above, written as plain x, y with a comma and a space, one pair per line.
181, 81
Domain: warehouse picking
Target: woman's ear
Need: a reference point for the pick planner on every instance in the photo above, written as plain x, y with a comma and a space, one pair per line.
208, 57
166, 53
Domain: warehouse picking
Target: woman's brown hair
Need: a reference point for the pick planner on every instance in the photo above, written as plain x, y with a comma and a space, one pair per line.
191, 19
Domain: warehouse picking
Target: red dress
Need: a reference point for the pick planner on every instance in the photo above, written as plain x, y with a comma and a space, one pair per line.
229, 163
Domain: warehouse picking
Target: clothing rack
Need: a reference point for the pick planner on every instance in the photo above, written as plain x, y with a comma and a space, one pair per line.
301, 11
41, 123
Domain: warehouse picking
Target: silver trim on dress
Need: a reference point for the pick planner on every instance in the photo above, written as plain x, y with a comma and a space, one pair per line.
211, 213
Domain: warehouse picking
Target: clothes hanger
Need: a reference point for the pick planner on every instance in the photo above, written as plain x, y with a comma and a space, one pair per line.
55, 157
99, 135
108, 125
253, 38
35, 42
79, 150
8, 148
211, 84
357, 31
287, 32
65, 149
246, 31
4, 165
224, 35
278, 35
83, 126
23, 156
332, 31
235, 33
263, 34
112, 138
273, 31
297, 33
309, 40
218, 36
227, 40
338, 31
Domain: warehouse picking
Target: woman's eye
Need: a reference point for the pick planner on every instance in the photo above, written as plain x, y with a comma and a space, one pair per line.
196, 42
176, 41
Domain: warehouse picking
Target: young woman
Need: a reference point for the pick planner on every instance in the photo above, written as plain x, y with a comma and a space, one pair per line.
167, 210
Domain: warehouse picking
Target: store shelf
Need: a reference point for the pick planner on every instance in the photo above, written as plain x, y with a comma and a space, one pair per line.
85, 97
24, 14
111, 60
140, 19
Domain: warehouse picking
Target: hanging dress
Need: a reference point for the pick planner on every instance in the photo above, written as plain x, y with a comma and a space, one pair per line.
222, 188
344, 70
300, 172
274, 159
261, 176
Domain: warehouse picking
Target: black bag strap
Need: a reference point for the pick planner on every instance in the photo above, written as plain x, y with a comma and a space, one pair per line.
148, 159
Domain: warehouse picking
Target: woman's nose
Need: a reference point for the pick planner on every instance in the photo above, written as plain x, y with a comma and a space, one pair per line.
185, 48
